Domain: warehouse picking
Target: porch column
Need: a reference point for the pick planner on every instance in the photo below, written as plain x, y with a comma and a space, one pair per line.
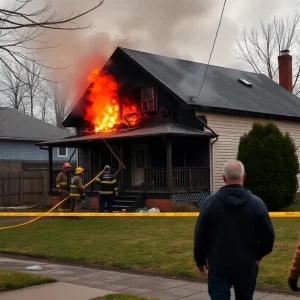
121, 167
50, 159
90, 169
169, 166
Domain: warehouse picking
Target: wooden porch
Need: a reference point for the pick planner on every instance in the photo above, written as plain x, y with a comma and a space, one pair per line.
156, 180
153, 165
181, 180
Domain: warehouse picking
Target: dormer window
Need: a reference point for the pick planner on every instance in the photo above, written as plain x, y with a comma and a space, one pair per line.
148, 99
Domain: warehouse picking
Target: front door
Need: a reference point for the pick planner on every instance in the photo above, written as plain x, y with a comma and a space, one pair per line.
139, 162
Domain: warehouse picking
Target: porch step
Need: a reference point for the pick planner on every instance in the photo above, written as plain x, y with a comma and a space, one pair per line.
126, 201
118, 208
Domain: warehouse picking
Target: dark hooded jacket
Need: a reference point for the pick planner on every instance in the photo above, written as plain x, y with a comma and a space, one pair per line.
233, 231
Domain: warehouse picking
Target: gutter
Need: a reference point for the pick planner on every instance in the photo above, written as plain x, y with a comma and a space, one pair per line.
41, 147
211, 149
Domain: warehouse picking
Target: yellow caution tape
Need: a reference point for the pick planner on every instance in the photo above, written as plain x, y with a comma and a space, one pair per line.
126, 214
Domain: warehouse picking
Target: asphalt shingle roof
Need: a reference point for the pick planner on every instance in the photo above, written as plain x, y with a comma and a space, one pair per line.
150, 130
15, 125
221, 89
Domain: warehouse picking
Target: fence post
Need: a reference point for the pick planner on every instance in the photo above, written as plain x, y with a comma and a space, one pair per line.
21, 187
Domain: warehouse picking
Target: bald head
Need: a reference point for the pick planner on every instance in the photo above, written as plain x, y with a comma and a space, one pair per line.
234, 172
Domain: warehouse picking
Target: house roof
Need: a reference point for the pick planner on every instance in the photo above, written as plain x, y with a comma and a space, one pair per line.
15, 125
150, 130
221, 89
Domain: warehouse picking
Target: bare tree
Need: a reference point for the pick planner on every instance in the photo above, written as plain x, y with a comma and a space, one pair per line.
13, 88
33, 80
45, 106
260, 47
59, 102
24, 22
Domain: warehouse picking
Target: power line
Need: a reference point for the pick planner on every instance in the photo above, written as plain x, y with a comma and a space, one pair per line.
213, 46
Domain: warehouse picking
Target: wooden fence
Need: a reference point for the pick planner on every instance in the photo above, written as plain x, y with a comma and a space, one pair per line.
23, 187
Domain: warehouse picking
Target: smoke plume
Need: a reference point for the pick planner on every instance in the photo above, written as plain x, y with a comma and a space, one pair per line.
167, 27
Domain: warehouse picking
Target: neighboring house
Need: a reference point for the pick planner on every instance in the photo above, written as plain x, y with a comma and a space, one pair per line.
19, 134
176, 149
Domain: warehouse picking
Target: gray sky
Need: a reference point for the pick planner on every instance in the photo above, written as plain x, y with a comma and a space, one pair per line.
181, 28
178, 28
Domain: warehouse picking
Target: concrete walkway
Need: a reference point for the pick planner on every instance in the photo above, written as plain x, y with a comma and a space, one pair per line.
57, 291
86, 283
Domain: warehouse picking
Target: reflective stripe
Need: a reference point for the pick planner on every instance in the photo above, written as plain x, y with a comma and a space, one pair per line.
106, 192
74, 195
109, 182
63, 183
115, 189
73, 186
58, 185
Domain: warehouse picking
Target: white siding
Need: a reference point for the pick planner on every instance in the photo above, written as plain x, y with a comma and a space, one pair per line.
230, 128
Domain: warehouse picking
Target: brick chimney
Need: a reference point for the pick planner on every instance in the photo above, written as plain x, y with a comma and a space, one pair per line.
285, 70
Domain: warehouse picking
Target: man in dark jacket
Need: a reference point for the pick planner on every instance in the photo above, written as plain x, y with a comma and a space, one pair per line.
233, 233
108, 188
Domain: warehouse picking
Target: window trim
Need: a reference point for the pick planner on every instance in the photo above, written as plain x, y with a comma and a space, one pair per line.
58, 155
154, 99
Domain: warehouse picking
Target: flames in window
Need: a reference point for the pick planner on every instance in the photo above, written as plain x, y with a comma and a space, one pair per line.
105, 111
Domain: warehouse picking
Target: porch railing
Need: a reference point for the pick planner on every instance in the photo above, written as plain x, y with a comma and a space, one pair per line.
183, 179
155, 179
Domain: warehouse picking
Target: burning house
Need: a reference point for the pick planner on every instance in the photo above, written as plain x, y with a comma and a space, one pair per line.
141, 115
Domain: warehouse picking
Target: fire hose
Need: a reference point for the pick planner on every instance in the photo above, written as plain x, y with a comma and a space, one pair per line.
58, 204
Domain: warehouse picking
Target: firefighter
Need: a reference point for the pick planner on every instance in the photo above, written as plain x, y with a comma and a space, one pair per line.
63, 184
108, 188
77, 191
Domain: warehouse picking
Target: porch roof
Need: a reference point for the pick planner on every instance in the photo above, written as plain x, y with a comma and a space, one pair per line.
169, 129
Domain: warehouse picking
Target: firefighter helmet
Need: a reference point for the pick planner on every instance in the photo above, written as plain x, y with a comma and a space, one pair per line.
79, 170
67, 165
107, 168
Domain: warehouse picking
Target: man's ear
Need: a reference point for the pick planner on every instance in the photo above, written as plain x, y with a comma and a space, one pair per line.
244, 177
224, 178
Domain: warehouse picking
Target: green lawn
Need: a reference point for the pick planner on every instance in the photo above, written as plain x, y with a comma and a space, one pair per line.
162, 245
293, 207
123, 297
11, 280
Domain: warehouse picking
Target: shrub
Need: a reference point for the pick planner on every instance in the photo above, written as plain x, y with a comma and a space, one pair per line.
185, 207
271, 164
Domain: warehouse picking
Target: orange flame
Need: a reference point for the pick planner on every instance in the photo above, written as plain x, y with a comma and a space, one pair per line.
104, 111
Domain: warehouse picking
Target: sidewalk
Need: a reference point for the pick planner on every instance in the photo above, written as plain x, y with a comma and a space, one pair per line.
86, 282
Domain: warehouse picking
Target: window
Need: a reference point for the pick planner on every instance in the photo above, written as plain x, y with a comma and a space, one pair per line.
148, 99
62, 152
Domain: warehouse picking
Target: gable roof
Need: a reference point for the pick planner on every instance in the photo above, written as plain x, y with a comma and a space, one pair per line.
221, 90
169, 129
15, 125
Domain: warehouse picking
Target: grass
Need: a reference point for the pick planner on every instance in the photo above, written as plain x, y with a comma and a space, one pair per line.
163, 245
11, 280
123, 297
293, 207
